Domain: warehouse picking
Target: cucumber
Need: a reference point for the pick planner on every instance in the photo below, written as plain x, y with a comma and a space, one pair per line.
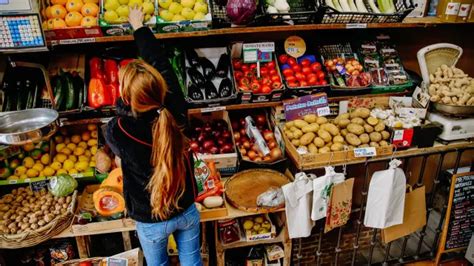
70, 96
79, 88
58, 92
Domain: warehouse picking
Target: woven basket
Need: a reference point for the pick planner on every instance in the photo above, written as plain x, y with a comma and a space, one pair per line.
433, 56
33, 238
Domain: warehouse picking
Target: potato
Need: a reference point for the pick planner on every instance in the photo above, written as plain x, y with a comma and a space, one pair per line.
368, 128
364, 146
48, 218
353, 139
289, 135
374, 144
338, 139
24, 226
312, 148
331, 128
360, 112
385, 135
297, 134
344, 132
355, 129
300, 123
34, 226
33, 220
310, 118
12, 225
364, 138
307, 138
372, 121
324, 135
343, 123
310, 128
375, 136
350, 147
383, 143
295, 142
337, 147
289, 125
380, 126
358, 121
41, 222
324, 150
321, 120
318, 142
293, 129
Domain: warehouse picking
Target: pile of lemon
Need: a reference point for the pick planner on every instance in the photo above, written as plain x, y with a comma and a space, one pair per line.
116, 11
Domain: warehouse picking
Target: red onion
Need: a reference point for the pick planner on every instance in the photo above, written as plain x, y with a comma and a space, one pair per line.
208, 144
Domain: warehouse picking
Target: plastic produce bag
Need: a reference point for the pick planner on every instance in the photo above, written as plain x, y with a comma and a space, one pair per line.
386, 197
62, 185
208, 179
273, 197
321, 191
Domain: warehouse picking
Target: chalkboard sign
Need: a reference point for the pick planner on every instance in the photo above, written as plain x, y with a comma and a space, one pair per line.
459, 222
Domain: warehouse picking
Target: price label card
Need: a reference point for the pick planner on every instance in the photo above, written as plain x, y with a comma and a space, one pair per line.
250, 56
295, 46
309, 104
365, 152
356, 26
258, 52
324, 111
212, 109
39, 185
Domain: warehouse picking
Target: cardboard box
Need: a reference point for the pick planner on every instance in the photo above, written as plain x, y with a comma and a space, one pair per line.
164, 26
257, 237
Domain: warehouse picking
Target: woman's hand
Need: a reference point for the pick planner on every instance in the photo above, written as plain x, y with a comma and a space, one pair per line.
135, 17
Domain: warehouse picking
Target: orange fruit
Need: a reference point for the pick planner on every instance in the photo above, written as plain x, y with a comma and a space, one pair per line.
88, 21
47, 12
58, 11
91, 1
90, 9
45, 25
58, 2
50, 23
73, 19
58, 23
74, 5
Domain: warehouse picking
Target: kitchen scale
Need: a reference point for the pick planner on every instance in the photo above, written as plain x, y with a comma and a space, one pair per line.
20, 27
454, 128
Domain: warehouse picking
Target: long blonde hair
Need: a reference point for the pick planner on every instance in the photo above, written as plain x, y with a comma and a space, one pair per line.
143, 87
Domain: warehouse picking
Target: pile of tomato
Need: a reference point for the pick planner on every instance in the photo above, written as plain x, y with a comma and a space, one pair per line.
306, 72
248, 79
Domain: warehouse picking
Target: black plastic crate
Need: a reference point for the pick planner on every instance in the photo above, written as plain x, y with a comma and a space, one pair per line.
301, 12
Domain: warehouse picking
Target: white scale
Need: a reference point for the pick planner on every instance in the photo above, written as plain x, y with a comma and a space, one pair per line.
453, 128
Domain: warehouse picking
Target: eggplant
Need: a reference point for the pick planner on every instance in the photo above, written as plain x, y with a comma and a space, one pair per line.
210, 90
196, 77
195, 93
223, 66
225, 88
192, 57
207, 68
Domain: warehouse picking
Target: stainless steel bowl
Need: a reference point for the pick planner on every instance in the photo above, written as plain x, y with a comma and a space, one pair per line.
21, 127
454, 110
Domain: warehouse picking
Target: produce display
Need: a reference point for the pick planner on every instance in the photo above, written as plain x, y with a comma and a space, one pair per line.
247, 77
394, 120
22, 89
379, 6
24, 210
357, 129
346, 72
62, 185
170, 10
259, 225
213, 137
70, 13
277, 6
116, 11
210, 186
108, 199
31, 162
241, 12
304, 72
70, 92
451, 86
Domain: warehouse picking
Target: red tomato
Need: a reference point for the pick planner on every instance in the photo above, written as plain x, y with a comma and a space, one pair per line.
293, 84
299, 76
244, 82
306, 70
275, 78
303, 83
272, 72
270, 65
85, 263
296, 68
312, 79
287, 72
245, 68
320, 75
255, 86
244, 87
266, 89
290, 79
265, 81
238, 75
276, 85
323, 82
248, 74
305, 62
253, 66
237, 64
291, 61
263, 71
283, 59
316, 66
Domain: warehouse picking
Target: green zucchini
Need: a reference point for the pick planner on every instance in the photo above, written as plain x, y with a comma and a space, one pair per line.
78, 84
69, 92
58, 92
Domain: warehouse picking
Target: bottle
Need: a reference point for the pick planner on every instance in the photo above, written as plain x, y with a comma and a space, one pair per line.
464, 10
448, 10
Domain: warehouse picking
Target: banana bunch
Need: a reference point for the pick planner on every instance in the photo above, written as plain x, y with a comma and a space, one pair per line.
377, 6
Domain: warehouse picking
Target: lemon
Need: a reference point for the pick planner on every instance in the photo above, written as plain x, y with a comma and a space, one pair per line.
38, 167
45, 159
37, 162
76, 139
110, 16
91, 164
41, 174
48, 171
66, 151
88, 153
67, 140
32, 173
23, 176
111, 5
93, 159
122, 2
72, 158
258, 220
28, 147
82, 144
58, 139
175, 8
72, 171
93, 150
61, 157
61, 171
20, 170
248, 224
71, 146
28, 162
60, 147
81, 166
79, 151
92, 142
13, 177
94, 134
188, 13
68, 165
56, 165
148, 8
199, 16
133, 3
166, 15
178, 18
83, 158
122, 11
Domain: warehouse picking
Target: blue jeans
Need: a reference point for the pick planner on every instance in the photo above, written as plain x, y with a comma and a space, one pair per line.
185, 228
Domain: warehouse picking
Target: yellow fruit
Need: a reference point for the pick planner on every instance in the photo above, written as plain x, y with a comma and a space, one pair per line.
76, 139
178, 18
166, 15
60, 147
258, 220
41, 174
60, 157
199, 16
175, 8
93, 150
56, 166
248, 224
13, 177
68, 164
94, 134
165, 3
20, 170
73, 19
147, 17
74, 5
90, 9
148, 8
67, 140
48, 13
72, 158
83, 158
59, 23
188, 13
122, 11
28, 162
92, 142
32, 173
133, 3
48, 171
45, 159
58, 2
188, 3
88, 21
38, 167
110, 16
93, 159
23, 176
91, 127
91, 1
79, 151
123, 2
66, 151
45, 25
81, 166
71, 146
61, 171
92, 164
200, 7
72, 171
28, 147
58, 11
111, 5
82, 144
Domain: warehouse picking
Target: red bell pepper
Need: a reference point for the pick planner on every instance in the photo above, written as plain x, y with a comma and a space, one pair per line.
125, 62
98, 95
113, 90
96, 70
111, 71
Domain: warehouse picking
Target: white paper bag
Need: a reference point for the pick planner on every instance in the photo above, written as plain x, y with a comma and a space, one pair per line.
321, 191
386, 197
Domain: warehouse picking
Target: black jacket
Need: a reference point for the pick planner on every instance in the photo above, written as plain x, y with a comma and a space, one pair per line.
130, 138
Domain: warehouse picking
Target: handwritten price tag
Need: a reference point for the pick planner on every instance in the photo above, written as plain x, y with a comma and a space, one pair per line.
323, 111
365, 152
356, 26
212, 109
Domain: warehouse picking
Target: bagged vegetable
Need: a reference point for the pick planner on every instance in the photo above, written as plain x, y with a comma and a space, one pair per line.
62, 185
208, 179
241, 12
273, 197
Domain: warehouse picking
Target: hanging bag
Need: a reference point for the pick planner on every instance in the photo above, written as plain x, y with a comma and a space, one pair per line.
340, 203
321, 191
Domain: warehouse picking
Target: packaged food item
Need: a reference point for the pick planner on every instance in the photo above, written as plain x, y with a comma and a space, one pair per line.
274, 252
61, 252
208, 179
229, 231
273, 197
378, 76
256, 256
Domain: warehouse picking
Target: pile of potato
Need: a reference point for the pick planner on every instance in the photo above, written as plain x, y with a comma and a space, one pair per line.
24, 210
357, 129
450, 85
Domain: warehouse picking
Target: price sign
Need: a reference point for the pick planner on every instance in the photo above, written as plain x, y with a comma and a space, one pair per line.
356, 26
258, 52
365, 152
309, 104
39, 185
295, 46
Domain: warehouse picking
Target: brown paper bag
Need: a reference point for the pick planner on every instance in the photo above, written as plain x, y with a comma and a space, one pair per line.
339, 205
414, 216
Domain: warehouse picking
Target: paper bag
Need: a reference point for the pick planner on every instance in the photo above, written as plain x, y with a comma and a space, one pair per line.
339, 205
414, 216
